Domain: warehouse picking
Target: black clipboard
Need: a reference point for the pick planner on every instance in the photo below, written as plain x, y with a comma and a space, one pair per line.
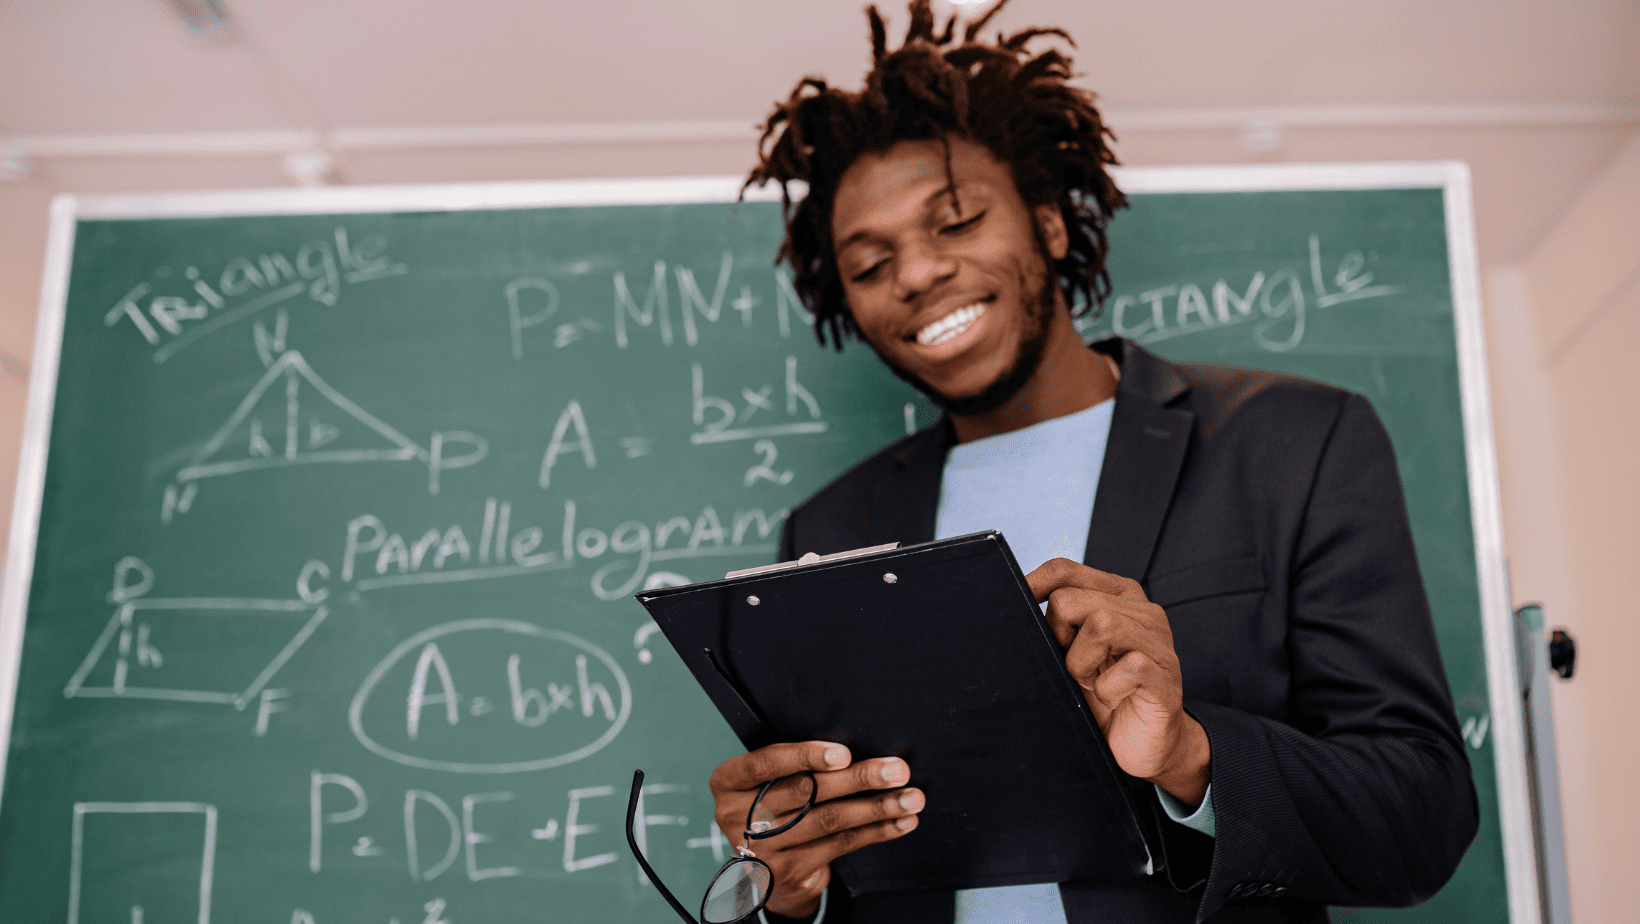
936, 653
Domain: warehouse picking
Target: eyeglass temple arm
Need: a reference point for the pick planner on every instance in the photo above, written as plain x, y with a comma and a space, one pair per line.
632, 841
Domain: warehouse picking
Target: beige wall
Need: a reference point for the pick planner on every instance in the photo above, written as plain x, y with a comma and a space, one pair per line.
1563, 331
22, 252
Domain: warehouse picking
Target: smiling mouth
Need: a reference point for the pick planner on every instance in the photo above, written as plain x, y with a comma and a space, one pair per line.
951, 325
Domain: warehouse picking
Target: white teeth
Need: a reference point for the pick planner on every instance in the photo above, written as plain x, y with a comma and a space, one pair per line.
950, 326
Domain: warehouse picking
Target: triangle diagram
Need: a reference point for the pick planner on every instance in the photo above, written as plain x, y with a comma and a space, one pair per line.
293, 417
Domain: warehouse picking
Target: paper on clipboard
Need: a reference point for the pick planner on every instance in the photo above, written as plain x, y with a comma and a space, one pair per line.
938, 654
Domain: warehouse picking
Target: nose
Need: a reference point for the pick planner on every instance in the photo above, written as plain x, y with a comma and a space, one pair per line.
920, 266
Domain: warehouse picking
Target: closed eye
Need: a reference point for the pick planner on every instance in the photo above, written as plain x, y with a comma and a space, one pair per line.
950, 230
866, 274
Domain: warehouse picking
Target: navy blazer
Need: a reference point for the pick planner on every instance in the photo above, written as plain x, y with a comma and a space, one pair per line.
1264, 513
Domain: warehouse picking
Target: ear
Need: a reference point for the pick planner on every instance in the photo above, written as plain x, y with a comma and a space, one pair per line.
1051, 225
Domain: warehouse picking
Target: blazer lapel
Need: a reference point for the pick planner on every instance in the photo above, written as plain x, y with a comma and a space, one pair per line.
1148, 440
908, 501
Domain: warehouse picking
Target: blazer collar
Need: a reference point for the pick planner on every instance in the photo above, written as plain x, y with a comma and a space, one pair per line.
908, 499
1149, 434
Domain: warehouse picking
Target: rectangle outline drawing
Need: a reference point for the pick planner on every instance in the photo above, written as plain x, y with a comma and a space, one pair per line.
207, 865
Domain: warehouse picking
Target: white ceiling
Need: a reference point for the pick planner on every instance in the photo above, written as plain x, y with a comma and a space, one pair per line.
79, 66
117, 96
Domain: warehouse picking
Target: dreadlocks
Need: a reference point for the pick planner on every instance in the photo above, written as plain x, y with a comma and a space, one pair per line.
932, 87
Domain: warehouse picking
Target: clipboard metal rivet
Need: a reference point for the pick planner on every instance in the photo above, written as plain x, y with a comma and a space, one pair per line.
889, 578
753, 601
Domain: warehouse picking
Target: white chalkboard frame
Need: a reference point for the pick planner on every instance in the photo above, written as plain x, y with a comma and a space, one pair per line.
1507, 724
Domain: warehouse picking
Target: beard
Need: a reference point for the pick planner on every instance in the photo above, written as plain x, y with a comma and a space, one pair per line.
1039, 312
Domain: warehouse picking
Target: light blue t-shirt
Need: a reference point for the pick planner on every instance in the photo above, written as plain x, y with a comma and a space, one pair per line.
1036, 484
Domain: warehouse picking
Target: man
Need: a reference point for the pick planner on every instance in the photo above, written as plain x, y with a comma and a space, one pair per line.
1224, 554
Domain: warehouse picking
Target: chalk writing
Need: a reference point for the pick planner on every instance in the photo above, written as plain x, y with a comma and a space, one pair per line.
646, 303
269, 702
193, 649
302, 435
1475, 728
764, 470
640, 639
374, 558
1275, 303
719, 420
575, 699
581, 443
171, 313
500, 834
145, 823
541, 296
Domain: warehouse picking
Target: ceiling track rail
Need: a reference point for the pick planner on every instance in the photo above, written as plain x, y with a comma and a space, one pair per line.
279, 142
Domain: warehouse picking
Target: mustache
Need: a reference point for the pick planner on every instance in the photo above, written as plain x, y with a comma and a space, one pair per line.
1024, 366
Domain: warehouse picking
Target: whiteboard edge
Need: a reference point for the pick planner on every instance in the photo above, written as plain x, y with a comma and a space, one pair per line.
31, 466
693, 189
1520, 854
425, 198
1283, 177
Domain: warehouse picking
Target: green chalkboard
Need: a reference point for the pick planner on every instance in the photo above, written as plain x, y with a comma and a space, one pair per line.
320, 597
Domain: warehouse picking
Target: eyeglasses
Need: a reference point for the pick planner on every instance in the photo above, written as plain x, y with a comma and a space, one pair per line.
744, 884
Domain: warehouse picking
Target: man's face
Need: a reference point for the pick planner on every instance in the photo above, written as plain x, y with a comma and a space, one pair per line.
955, 294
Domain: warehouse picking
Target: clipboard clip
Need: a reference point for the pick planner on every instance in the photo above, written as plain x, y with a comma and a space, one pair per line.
812, 559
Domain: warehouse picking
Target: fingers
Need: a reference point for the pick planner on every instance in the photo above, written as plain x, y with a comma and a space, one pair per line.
1139, 706
751, 770
801, 858
803, 870
800, 899
1111, 617
1106, 634
845, 825
821, 852
1057, 573
738, 779
841, 816
843, 798
877, 773
849, 812
1119, 649
850, 807
861, 776
1135, 675
1074, 592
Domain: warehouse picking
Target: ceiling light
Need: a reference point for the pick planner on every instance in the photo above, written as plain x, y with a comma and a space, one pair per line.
311, 168
15, 166
205, 18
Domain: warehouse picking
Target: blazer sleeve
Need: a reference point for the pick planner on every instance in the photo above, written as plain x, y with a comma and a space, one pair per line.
1364, 795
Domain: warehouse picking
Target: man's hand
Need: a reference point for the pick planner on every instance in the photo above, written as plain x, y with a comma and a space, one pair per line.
1119, 649
848, 814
